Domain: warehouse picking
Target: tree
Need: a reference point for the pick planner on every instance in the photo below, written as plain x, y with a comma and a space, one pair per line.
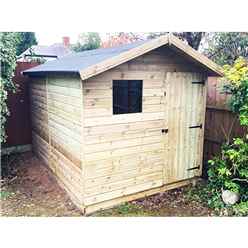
192, 38
24, 41
8, 43
87, 41
226, 48
120, 38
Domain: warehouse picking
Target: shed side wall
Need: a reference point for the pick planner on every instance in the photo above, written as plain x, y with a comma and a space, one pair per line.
39, 118
58, 140
64, 118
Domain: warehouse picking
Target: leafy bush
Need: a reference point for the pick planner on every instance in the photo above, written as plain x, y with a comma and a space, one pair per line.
236, 84
8, 63
241, 209
204, 193
229, 171
211, 197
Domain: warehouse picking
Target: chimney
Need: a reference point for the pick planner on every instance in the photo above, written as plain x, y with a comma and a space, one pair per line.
66, 41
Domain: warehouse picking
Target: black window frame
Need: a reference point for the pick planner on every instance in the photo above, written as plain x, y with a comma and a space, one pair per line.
131, 86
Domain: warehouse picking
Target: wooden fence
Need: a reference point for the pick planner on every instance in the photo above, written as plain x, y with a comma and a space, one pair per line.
18, 126
221, 124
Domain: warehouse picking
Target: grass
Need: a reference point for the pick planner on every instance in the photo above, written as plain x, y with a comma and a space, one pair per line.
125, 210
5, 194
178, 202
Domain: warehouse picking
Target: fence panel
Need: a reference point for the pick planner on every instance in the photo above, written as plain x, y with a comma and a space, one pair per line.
18, 126
221, 124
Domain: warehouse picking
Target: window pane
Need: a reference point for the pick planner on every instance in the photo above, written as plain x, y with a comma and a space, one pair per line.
120, 96
135, 96
127, 96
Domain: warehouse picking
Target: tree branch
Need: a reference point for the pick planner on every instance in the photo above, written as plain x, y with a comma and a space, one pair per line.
240, 179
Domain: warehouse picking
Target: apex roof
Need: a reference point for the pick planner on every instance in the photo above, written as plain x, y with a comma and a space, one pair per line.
92, 62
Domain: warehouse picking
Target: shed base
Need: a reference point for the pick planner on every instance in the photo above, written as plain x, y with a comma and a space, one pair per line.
111, 203
87, 210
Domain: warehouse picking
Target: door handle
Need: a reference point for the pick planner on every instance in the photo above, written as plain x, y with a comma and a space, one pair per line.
194, 168
198, 126
165, 130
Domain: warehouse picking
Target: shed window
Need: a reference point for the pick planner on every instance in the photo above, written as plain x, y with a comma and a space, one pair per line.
127, 96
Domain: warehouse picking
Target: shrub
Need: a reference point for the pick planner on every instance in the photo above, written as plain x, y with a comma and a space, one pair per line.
230, 170
8, 63
236, 84
241, 209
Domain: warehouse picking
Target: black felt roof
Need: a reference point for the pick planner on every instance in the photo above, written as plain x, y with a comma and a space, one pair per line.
82, 60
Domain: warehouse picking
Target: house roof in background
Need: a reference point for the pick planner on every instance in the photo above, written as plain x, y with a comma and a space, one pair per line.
56, 50
93, 62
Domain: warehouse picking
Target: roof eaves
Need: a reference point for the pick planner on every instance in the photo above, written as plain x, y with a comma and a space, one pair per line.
40, 55
202, 59
30, 73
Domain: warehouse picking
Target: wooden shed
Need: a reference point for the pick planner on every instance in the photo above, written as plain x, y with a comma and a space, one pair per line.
121, 123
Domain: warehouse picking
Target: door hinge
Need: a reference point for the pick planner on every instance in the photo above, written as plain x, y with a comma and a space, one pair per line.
194, 168
198, 82
197, 126
164, 130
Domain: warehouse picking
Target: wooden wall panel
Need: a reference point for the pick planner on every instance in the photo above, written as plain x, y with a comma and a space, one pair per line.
56, 105
39, 119
65, 118
125, 153
65, 129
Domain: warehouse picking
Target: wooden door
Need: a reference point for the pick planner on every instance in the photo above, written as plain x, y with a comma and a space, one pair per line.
185, 98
